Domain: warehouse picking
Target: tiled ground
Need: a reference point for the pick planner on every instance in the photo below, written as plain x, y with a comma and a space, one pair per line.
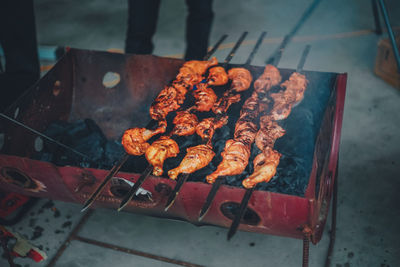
342, 41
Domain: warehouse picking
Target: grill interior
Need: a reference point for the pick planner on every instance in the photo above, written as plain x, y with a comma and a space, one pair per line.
297, 146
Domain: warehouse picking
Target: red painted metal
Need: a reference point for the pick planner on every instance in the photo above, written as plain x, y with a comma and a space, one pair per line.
114, 110
10, 202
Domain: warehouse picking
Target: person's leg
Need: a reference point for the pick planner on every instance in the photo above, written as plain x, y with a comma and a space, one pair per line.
142, 23
198, 28
18, 40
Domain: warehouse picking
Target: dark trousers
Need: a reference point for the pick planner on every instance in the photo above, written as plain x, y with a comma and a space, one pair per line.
18, 40
142, 22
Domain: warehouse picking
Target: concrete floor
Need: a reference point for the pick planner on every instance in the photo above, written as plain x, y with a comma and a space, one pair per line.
342, 41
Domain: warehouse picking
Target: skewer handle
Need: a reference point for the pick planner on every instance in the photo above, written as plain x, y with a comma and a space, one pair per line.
276, 57
239, 215
215, 47
233, 51
255, 49
303, 58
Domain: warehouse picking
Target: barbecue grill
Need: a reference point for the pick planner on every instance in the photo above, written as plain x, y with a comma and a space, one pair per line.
79, 87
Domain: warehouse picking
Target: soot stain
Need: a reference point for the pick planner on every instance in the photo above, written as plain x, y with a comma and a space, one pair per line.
67, 224
37, 232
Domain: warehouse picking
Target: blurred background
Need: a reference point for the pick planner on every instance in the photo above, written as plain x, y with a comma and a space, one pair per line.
343, 39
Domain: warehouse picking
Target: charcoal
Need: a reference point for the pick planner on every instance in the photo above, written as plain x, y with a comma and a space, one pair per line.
113, 151
77, 129
92, 146
57, 128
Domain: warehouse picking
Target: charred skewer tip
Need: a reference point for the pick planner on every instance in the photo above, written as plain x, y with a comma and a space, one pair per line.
181, 180
100, 188
210, 198
239, 215
128, 197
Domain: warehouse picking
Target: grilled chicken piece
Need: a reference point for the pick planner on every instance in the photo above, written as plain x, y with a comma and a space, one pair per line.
296, 85
159, 151
168, 100
293, 94
269, 78
217, 76
191, 72
283, 102
223, 104
206, 128
196, 158
250, 107
235, 158
265, 165
182, 89
246, 127
268, 133
245, 132
134, 140
241, 79
205, 97
185, 123
200, 66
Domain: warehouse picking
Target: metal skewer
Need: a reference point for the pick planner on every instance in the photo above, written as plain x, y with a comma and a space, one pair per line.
100, 188
184, 176
128, 197
172, 197
239, 215
217, 44
255, 49
214, 189
233, 51
249, 192
45, 136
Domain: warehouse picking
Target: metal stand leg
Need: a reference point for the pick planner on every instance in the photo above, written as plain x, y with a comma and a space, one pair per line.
390, 32
306, 245
333, 226
378, 28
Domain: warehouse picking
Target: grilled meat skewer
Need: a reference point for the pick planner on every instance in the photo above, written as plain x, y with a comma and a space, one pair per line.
196, 158
265, 165
181, 91
182, 178
217, 76
293, 94
205, 98
159, 151
241, 81
185, 123
134, 140
206, 128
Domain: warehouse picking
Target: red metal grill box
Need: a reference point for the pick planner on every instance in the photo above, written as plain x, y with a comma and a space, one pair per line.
73, 89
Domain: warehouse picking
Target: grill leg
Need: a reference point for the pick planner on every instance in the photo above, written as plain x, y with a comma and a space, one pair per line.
333, 226
390, 32
306, 245
378, 28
